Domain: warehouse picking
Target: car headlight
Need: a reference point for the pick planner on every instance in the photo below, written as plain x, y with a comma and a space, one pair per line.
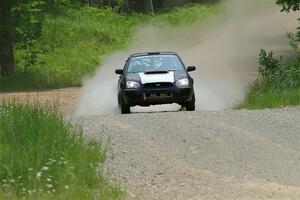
132, 85
183, 82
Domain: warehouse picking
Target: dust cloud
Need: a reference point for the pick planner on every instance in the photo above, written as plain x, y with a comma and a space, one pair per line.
224, 48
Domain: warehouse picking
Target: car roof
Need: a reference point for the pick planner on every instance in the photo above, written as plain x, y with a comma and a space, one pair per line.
152, 53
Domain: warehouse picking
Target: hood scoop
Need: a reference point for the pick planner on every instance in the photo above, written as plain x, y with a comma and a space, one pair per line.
156, 72
157, 77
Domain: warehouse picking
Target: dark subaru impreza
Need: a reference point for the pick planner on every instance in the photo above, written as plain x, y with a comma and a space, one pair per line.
155, 78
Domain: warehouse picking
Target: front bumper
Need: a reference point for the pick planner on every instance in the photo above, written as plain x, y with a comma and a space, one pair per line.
147, 97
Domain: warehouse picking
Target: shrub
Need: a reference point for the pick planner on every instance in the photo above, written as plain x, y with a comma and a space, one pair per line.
277, 73
278, 85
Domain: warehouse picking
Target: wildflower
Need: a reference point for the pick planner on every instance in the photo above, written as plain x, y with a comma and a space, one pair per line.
49, 179
67, 187
49, 185
39, 174
45, 168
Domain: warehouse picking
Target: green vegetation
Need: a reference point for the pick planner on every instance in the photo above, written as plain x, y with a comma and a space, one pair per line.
263, 97
71, 45
279, 84
73, 42
43, 157
186, 15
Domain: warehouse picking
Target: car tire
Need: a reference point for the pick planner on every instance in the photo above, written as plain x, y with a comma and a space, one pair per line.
119, 99
190, 106
125, 108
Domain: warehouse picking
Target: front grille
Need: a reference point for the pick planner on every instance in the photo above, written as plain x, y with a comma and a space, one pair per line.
158, 85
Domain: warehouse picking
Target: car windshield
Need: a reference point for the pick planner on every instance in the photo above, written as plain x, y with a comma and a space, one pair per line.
154, 63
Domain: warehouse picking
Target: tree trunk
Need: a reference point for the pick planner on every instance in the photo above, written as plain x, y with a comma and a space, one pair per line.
6, 39
149, 6
125, 7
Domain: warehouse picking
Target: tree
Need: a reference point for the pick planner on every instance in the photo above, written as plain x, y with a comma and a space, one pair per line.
149, 6
6, 38
20, 22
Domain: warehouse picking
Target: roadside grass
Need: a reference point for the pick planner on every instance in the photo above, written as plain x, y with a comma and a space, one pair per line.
44, 157
74, 42
188, 14
264, 97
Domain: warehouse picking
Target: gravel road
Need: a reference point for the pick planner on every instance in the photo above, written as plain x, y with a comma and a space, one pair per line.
234, 154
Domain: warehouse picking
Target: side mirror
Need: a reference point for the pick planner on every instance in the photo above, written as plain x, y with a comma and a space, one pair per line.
191, 68
119, 71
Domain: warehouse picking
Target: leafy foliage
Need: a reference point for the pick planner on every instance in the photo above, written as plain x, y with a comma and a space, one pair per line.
27, 29
279, 84
277, 73
288, 5
294, 40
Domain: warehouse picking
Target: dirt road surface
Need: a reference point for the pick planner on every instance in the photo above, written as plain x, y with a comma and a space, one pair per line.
230, 154
66, 99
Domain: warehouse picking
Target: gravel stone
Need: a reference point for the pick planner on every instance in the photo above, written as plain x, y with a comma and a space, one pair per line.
231, 154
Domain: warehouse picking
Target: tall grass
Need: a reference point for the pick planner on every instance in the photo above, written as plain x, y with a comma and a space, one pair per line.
187, 15
43, 157
73, 43
265, 97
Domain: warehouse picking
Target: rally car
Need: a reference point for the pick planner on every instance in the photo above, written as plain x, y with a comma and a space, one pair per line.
155, 78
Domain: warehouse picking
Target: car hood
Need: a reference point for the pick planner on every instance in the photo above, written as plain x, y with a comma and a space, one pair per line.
155, 77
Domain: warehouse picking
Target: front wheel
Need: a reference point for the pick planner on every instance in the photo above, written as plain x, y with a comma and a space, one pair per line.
190, 106
125, 108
